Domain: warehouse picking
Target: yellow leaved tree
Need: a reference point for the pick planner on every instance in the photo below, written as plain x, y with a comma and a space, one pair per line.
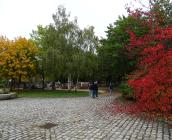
17, 58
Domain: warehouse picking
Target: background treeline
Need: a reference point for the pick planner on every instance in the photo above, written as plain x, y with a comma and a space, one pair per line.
65, 52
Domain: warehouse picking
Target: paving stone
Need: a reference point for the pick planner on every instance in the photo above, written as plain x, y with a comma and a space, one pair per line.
73, 119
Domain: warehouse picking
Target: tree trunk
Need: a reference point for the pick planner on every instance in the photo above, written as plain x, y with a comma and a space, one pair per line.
43, 81
12, 84
77, 80
19, 82
69, 81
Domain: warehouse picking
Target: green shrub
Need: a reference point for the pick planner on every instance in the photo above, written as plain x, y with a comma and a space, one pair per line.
125, 89
3, 89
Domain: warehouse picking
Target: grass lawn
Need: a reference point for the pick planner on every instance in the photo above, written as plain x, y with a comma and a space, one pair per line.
52, 94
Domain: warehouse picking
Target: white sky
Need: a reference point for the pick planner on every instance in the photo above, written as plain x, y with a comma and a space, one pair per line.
20, 17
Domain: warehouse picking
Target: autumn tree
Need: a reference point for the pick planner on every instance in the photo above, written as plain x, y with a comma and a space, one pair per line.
17, 58
152, 80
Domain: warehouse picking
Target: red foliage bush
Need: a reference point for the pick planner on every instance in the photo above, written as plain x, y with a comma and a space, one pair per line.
152, 80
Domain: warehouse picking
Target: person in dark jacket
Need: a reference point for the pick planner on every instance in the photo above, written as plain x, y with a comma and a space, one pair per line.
93, 89
110, 88
96, 89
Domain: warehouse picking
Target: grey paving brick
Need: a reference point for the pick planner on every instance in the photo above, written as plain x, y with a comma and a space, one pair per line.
73, 119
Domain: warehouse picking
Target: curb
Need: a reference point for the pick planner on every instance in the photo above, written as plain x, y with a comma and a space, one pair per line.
8, 96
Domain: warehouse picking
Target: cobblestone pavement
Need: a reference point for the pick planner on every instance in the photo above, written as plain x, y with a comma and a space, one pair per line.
73, 119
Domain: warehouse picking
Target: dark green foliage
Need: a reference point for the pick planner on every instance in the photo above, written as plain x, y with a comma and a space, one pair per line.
125, 89
2, 83
114, 59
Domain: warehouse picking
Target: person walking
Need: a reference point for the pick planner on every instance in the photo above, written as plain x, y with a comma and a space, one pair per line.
91, 89
96, 89
110, 88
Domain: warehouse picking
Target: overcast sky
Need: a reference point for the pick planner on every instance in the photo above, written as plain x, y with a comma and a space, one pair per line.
20, 17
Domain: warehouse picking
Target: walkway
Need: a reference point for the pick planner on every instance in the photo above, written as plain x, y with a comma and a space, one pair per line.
73, 119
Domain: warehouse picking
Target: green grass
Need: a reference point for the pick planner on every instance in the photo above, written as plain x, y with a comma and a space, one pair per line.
52, 94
